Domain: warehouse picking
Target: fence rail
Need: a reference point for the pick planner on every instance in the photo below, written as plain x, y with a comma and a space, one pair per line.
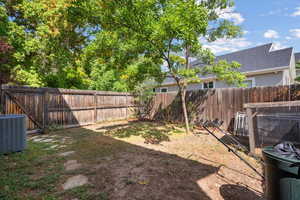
219, 103
47, 107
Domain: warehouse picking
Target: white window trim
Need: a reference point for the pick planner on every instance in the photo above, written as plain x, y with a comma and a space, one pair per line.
214, 82
253, 81
160, 90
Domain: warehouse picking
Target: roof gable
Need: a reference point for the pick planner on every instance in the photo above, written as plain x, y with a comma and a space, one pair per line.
258, 58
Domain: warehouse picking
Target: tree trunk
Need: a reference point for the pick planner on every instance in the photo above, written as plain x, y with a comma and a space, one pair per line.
182, 90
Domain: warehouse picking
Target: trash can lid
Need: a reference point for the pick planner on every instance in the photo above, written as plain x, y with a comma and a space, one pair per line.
270, 152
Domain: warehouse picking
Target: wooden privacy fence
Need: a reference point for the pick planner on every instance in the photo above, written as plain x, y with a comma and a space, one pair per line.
63, 108
218, 103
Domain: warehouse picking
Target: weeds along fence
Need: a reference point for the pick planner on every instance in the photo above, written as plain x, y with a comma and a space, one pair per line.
217, 103
64, 108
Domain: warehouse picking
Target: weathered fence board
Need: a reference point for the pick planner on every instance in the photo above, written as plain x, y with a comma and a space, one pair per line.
219, 103
50, 107
68, 108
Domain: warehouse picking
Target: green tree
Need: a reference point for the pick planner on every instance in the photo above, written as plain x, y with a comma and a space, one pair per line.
117, 64
47, 37
62, 43
166, 28
5, 48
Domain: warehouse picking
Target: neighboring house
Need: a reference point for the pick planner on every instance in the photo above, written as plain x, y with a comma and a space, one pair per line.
262, 66
297, 60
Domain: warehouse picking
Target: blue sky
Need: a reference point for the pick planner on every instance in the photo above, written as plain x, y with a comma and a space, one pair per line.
263, 21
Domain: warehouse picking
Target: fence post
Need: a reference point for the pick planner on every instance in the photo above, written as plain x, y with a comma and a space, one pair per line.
95, 107
127, 107
2, 100
252, 138
46, 109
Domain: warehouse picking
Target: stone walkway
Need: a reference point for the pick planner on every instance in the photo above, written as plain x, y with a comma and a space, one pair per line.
75, 181
71, 165
57, 143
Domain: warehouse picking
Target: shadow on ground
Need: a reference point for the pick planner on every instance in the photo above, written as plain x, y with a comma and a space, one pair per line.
122, 170
152, 134
116, 169
242, 140
237, 192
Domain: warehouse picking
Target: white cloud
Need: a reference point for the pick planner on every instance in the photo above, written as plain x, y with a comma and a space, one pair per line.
229, 14
295, 32
271, 34
296, 13
227, 45
277, 12
277, 45
288, 38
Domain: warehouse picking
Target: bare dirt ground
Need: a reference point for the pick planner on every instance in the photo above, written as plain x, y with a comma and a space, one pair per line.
179, 167
146, 160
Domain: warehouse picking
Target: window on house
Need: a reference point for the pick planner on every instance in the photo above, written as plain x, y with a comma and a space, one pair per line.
249, 83
163, 89
208, 85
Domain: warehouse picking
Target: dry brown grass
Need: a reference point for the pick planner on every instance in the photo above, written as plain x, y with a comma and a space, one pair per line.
121, 163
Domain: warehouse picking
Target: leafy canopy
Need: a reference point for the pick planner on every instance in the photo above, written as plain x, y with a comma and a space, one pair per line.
110, 45
165, 29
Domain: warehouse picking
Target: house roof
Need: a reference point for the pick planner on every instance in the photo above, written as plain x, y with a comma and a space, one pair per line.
297, 57
259, 58
256, 60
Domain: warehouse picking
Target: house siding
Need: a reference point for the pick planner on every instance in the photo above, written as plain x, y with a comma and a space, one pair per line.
175, 88
170, 88
271, 79
292, 70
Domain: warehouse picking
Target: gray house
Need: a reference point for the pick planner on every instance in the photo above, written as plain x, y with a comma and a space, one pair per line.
297, 60
262, 66
297, 57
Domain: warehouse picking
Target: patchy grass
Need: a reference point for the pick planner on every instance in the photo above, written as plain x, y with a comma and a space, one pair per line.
128, 160
152, 134
84, 193
31, 174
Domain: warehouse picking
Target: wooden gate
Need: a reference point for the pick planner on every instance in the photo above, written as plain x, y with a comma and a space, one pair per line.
62, 108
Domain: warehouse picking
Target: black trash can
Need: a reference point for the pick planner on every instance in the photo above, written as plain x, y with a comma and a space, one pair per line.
282, 176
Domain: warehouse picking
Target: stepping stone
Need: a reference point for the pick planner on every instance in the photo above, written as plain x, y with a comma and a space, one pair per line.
72, 165
66, 153
54, 146
33, 138
75, 181
38, 140
65, 141
48, 140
